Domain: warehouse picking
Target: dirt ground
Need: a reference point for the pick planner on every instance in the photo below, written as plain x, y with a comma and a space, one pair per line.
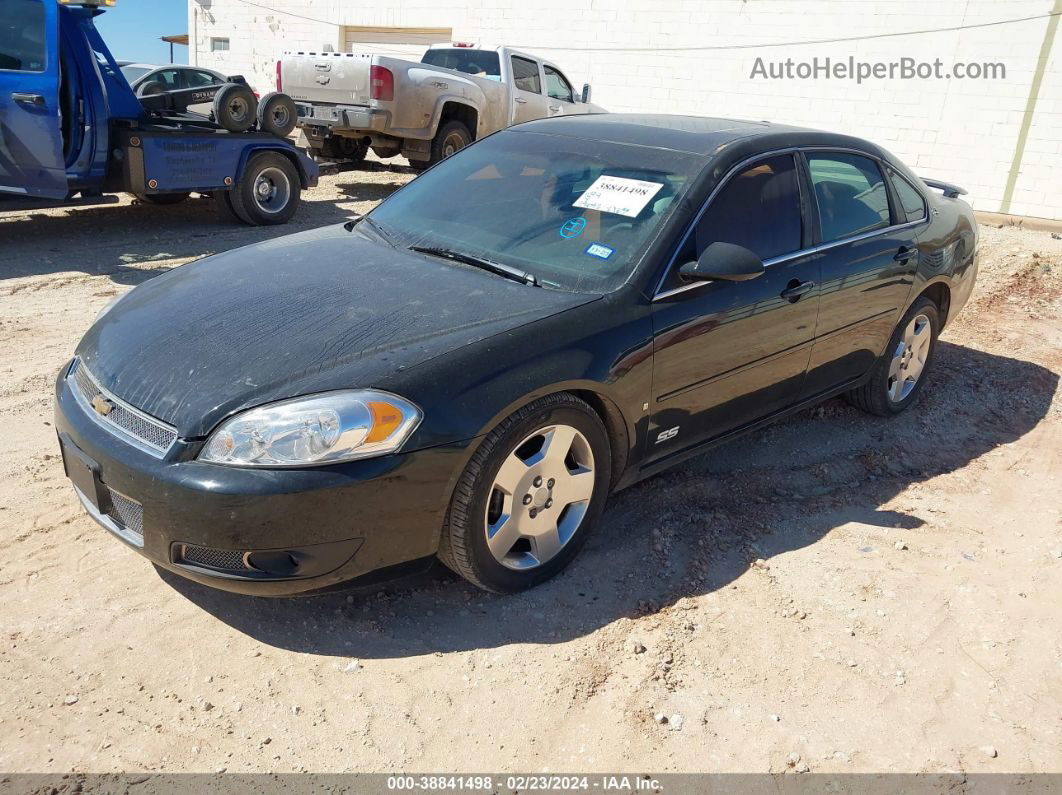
838, 593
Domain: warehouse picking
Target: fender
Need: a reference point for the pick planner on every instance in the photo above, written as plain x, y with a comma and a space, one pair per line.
308, 169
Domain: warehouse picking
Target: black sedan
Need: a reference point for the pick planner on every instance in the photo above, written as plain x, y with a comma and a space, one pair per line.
468, 372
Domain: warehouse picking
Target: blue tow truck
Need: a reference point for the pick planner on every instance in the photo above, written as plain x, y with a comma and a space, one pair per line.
73, 132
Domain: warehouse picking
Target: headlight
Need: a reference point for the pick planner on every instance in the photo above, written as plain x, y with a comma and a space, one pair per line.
322, 429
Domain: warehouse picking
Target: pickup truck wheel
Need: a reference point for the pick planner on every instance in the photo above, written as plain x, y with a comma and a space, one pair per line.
269, 191
276, 114
162, 198
450, 138
235, 107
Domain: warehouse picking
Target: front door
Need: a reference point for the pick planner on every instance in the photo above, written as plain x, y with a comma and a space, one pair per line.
729, 353
31, 143
529, 103
560, 93
867, 273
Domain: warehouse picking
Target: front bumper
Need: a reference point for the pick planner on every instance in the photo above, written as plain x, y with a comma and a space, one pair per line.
269, 532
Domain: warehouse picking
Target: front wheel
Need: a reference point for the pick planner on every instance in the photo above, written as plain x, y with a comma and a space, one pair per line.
528, 498
900, 374
269, 191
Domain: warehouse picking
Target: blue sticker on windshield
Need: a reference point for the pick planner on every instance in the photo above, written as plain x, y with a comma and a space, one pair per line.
573, 227
599, 250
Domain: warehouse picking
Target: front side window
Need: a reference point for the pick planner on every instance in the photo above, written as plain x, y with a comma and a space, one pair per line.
577, 214
758, 209
850, 194
914, 206
525, 75
22, 34
195, 79
557, 86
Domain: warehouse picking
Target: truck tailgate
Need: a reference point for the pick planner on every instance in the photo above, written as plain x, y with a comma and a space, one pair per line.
337, 77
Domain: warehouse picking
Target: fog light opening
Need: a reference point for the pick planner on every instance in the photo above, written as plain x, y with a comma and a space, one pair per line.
278, 563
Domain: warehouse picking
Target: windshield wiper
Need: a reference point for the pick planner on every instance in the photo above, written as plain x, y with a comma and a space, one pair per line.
479, 262
373, 225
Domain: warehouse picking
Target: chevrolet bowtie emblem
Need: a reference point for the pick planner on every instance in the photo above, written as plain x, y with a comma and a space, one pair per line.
102, 406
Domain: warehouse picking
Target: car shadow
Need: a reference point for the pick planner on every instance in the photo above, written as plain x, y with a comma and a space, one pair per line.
111, 239
688, 531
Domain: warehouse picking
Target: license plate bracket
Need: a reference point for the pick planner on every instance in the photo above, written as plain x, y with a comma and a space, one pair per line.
84, 473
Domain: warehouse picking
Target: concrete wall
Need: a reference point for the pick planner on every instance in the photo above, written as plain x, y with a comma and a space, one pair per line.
964, 131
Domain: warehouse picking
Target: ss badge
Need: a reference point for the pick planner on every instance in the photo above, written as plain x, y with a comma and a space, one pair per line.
670, 433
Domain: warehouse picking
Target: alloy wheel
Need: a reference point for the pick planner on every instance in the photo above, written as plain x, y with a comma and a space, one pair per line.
909, 358
539, 497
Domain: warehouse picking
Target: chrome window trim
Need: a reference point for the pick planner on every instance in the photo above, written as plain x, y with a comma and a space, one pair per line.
659, 295
117, 430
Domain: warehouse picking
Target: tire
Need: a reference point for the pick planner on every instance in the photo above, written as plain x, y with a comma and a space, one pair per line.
226, 212
276, 114
449, 138
890, 389
235, 107
274, 203
162, 199
520, 443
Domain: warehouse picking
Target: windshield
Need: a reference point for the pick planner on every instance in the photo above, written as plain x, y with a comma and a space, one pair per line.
482, 63
576, 214
133, 73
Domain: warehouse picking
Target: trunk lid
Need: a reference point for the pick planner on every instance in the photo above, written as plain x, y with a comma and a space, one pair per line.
340, 78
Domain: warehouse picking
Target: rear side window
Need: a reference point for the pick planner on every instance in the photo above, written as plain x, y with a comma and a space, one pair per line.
22, 34
850, 194
194, 79
482, 63
911, 201
525, 75
758, 209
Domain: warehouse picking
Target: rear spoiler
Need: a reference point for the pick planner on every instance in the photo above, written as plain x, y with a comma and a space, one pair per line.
950, 191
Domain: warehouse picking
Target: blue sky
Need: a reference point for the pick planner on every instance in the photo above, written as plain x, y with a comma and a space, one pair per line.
133, 27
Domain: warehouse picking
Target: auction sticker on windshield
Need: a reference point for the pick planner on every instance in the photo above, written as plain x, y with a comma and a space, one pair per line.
618, 195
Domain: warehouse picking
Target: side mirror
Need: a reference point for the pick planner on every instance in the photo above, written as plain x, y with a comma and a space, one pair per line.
725, 262
585, 97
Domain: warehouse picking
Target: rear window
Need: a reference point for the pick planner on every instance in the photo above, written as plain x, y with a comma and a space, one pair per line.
481, 63
22, 35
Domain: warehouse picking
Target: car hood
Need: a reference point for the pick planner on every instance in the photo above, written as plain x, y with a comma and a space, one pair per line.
319, 310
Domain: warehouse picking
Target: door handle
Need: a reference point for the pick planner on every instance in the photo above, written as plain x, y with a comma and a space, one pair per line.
22, 98
905, 254
795, 289
554, 108
520, 101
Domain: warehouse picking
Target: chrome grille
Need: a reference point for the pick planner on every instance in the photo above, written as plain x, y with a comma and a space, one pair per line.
225, 559
154, 436
126, 512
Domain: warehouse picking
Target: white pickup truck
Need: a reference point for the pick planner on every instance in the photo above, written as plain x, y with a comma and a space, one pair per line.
347, 103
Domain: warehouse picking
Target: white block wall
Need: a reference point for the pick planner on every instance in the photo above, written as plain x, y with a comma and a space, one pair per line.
961, 131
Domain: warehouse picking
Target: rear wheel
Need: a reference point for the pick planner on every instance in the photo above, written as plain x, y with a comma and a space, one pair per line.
269, 191
449, 139
901, 373
528, 498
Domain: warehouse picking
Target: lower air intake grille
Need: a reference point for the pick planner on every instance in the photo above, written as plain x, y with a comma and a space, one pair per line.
126, 512
208, 557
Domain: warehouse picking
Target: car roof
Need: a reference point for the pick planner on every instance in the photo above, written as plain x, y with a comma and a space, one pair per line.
693, 134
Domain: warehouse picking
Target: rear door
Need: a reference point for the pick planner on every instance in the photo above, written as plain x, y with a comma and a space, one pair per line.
197, 78
31, 144
868, 256
529, 102
729, 353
